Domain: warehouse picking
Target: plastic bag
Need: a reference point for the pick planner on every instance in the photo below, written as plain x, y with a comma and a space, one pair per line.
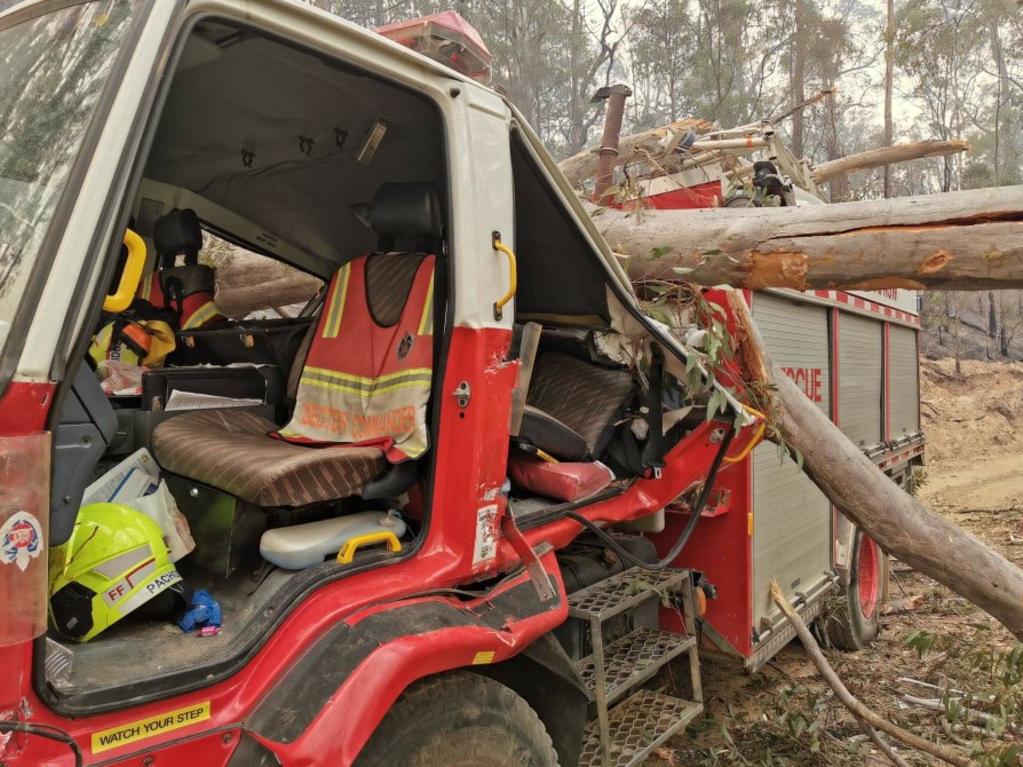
161, 507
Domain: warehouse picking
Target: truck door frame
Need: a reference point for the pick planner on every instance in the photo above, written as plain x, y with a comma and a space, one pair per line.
292, 26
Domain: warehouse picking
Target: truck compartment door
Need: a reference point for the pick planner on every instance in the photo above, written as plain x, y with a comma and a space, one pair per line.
791, 517
860, 379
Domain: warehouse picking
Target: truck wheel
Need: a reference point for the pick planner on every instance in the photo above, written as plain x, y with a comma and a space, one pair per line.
855, 622
459, 720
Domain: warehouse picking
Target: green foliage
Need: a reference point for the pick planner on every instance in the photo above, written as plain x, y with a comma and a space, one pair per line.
980, 690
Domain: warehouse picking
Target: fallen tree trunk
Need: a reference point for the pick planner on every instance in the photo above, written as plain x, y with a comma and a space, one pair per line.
959, 241
656, 143
899, 523
887, 155
248, 282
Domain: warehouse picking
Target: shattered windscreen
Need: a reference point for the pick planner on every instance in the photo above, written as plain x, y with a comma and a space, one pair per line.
52, 71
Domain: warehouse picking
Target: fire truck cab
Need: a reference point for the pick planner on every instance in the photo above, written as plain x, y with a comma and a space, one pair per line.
431, 507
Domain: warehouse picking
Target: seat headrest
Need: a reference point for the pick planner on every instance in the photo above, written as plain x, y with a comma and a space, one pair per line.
178, 233
407, 211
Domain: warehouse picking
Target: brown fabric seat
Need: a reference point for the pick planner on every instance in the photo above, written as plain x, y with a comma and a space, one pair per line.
572, 405
232, 451
229, 449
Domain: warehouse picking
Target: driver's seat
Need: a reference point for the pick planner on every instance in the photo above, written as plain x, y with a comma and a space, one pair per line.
370, 357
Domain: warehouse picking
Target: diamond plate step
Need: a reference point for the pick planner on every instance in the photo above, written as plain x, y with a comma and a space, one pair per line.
624, 591
633, 659
637, 727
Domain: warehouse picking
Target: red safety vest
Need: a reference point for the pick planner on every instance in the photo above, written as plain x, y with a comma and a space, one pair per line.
364, 383
197, 305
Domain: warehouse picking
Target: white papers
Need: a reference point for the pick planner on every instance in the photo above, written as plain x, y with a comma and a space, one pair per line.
136, 475
135, 482
188, 400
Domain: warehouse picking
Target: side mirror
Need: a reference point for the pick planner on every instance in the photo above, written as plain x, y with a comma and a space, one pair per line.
130, 275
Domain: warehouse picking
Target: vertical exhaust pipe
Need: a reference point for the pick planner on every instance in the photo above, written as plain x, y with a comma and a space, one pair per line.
608, 153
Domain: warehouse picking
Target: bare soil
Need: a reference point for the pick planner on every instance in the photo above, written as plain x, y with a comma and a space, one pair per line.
786, 715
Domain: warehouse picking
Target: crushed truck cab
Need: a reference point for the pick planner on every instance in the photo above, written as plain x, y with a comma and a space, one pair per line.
441, 475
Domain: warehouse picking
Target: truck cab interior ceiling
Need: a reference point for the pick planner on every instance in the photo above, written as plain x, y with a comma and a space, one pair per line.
435, 430
279, 136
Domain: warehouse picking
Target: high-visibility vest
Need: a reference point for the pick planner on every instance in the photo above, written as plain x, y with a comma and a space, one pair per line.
195, 283
136, 342
364, 383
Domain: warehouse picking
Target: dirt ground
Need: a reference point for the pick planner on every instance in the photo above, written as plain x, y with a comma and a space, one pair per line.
786, 715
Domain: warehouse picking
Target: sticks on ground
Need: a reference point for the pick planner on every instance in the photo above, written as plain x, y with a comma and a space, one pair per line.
866, 717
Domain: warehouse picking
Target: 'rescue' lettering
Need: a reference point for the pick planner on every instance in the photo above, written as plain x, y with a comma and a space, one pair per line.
809, 380
122, 735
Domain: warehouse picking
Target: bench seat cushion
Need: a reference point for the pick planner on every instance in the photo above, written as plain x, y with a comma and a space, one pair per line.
230, 450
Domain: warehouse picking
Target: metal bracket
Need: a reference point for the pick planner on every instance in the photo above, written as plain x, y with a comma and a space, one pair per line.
541, 582
462, 394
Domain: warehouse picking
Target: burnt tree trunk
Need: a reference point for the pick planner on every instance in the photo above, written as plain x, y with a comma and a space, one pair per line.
962, 241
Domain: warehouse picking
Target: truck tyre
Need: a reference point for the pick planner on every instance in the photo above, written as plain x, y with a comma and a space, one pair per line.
459, 720
855, 621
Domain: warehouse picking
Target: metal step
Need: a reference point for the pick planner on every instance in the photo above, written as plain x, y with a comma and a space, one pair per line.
633, 659
622, 592
637, 727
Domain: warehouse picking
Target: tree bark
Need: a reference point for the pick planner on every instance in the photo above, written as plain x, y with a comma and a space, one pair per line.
248, 282
839, 186
900, 524
885, 156
797, 76
961, 241
889, 77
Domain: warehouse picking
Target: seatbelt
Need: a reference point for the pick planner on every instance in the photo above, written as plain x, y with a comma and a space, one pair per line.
653, 451
174, 294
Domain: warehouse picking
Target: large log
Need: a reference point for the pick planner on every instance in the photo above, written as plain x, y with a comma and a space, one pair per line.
960, 241
886, 155
247, 282
899, 523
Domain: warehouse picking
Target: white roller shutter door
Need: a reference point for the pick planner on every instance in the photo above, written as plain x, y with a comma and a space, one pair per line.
791, 517
904, 381
860, 379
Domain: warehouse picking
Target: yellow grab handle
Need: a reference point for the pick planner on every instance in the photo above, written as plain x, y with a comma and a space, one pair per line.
130, 275
513, 275
347, 551
754, 440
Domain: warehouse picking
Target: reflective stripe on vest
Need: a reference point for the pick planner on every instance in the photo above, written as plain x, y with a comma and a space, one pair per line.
197, 309
191, 319
362, 382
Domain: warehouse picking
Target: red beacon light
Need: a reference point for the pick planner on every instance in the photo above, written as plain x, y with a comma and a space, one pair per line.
446, 38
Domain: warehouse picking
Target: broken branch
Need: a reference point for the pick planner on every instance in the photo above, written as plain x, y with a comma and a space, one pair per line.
888, 155
858, 710
657, 143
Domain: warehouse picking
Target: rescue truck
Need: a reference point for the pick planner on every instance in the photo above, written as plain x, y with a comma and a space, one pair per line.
461, 509
855, 355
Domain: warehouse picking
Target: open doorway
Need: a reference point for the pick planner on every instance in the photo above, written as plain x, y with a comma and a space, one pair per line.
287, 202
